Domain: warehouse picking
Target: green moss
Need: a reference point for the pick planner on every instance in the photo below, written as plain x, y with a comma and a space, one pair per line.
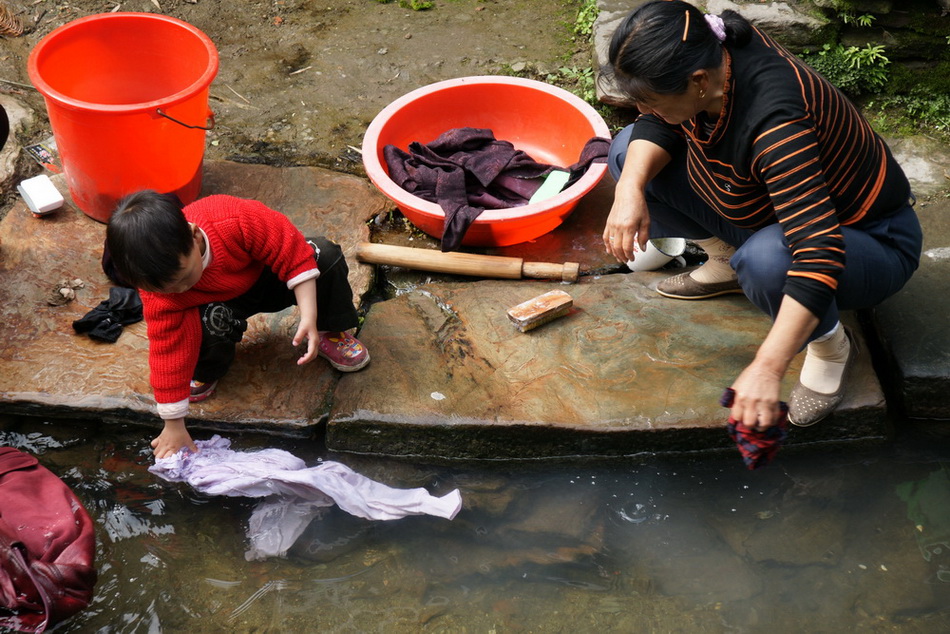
933, 79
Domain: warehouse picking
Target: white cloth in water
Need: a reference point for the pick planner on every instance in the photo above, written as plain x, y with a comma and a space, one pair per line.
292, 491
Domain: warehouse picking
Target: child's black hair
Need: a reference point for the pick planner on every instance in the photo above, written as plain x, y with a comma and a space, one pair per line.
658, 46
147, 236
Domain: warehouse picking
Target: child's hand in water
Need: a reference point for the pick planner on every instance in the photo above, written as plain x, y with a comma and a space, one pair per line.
173, 437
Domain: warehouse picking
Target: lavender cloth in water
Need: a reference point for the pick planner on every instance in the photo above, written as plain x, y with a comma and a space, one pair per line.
292, 491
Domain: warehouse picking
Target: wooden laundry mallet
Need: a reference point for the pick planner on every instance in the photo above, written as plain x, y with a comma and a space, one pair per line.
465, 263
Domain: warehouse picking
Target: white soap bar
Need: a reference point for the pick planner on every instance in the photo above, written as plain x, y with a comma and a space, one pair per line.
40, 194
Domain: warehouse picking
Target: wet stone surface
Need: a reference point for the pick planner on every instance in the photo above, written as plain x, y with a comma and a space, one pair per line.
626, 372
912, 324
46, 368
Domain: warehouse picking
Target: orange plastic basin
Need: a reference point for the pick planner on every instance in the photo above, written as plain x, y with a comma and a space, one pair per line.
547, 122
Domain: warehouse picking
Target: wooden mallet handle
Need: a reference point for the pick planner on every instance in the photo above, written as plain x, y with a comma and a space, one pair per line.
465, 263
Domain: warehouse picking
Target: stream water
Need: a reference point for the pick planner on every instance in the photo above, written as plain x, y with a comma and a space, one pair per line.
827, 539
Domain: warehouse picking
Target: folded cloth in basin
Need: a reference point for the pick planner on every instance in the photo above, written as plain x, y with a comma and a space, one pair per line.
467, 170
293, 492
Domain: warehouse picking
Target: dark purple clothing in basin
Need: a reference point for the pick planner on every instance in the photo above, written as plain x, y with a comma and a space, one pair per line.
467, 170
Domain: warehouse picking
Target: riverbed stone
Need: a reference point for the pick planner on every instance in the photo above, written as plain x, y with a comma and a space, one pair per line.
626, 372
911, 326
926, 163
47, 369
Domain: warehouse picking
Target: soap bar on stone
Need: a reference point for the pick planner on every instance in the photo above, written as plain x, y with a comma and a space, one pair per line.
540, 310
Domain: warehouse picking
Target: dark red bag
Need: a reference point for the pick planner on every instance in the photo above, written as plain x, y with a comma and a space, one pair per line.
47, 546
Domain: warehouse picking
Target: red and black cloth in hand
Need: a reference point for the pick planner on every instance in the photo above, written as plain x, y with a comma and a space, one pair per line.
757, 446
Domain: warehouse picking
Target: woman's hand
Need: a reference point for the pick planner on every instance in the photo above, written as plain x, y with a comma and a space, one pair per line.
629, 219
628, 222
757, 396
758, 387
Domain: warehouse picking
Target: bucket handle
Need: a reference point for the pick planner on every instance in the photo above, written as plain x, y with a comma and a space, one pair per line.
193, 127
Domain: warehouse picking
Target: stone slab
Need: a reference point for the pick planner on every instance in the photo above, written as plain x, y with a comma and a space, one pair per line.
46, 368
912, 325
626, 372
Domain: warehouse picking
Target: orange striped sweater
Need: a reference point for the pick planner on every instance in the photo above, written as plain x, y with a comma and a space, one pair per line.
788, 147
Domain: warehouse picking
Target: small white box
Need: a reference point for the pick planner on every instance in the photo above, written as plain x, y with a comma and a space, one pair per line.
40, 195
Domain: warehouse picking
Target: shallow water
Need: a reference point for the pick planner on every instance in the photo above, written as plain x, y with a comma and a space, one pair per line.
826, 540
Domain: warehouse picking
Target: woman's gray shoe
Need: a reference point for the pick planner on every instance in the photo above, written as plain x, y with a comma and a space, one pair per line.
807, 407
683, 286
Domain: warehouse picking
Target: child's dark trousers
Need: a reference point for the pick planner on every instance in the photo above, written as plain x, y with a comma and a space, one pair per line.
223, 323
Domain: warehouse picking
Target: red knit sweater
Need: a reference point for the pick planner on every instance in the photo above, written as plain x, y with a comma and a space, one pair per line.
243, 237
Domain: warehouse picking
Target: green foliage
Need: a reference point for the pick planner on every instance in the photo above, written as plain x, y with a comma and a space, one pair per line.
578, 81
584, 23
930, 79
415, 5
856, 71
921, 111
864, 20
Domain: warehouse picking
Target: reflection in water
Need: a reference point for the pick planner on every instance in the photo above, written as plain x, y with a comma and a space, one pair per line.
824, 540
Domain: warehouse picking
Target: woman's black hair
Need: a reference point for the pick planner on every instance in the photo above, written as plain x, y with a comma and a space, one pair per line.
146, 238
658, 46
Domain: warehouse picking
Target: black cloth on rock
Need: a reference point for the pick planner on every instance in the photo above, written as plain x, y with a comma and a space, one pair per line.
105, 321
467, 170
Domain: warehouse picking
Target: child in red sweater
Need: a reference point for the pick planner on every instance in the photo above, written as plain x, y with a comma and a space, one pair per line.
202, 270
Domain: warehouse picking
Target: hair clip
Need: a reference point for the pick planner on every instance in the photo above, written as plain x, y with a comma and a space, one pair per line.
717, 26
686, 27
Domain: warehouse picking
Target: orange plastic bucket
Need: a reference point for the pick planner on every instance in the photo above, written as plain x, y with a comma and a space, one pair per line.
127, 96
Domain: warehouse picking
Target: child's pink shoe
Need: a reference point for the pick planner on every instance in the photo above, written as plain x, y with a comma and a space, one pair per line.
343, 351
200, 390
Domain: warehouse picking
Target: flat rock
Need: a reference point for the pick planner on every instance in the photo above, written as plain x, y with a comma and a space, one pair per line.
626, 372
46, 368
912, 325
